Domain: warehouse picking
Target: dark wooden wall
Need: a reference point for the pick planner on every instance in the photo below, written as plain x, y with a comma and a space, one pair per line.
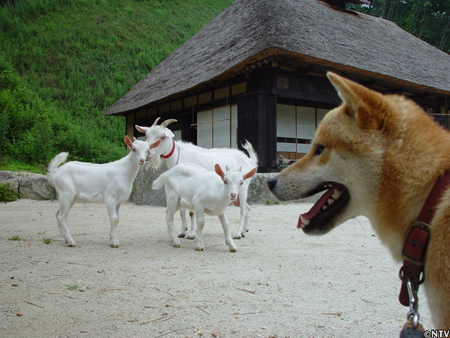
257, 124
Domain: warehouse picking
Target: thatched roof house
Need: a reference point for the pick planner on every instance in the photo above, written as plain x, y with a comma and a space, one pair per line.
278, 52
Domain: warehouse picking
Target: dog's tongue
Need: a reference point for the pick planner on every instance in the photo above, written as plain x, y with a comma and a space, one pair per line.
317, 206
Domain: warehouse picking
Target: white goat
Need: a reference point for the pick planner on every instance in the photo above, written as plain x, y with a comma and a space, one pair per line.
174, 152
195, 188
110, 183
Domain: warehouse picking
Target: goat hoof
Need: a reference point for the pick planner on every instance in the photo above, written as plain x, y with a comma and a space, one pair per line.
181, 235
237, 236
199, 249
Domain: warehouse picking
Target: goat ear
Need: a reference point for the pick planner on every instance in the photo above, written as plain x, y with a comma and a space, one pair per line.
154, 145
168, 133
141, 129
226, 168
127, 141
219, 171
251, 173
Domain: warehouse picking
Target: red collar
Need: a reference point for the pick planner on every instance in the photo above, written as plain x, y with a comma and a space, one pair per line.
416, 243
171, 152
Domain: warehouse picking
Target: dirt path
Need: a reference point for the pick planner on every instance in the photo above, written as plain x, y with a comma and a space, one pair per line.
280, 282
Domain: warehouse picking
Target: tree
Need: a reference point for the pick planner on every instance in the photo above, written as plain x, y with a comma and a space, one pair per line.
426, 19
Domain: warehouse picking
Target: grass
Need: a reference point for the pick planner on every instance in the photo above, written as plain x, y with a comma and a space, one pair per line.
71, 287
63, 63
15, 238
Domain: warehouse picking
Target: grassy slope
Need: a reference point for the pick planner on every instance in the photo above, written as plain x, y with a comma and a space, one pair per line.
80, 56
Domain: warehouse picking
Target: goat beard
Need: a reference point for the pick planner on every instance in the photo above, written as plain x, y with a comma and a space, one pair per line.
156, 162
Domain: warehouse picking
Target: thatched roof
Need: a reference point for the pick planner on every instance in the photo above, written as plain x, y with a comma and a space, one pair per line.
309, 30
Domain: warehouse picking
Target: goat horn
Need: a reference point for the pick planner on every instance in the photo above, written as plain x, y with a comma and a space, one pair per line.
167, 122
156, 121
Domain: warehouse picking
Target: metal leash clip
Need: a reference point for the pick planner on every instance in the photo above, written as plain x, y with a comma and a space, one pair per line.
413, 312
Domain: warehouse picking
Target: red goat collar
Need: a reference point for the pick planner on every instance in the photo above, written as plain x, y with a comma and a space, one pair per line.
171, 152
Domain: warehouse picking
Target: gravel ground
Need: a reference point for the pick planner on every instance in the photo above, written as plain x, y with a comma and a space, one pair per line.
279, 283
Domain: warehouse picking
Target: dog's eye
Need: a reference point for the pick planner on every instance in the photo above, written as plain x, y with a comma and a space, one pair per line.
319, 150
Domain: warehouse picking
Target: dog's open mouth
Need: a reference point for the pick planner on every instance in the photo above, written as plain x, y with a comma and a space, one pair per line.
320, 218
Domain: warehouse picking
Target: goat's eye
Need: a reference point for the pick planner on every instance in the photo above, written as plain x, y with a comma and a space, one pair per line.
319, 150
163, 138
134, 149
225, 181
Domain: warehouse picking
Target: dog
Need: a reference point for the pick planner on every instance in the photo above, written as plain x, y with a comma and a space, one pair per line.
377, 156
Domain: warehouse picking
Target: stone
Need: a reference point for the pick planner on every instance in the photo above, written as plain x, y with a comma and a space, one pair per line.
28, 185
143, 193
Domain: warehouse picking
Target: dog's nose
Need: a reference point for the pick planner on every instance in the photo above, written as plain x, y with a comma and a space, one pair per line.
271, 182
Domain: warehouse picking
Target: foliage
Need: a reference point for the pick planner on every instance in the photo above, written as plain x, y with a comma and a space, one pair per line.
6, 194
63, 63
426, 19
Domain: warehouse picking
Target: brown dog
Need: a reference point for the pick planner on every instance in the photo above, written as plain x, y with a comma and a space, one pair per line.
378, 156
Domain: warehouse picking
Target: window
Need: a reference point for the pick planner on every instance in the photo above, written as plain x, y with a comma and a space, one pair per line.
296, 127
217, 128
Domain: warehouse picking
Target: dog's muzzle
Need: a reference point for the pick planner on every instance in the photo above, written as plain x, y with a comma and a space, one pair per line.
271, 182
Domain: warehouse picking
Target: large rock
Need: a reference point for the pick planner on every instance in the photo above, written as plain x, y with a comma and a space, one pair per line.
28, 185
142, 187
143, 193
36, 186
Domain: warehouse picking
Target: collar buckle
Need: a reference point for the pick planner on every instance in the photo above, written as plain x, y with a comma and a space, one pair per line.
415, 246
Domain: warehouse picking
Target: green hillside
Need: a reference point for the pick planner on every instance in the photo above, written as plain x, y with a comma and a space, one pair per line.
63, 63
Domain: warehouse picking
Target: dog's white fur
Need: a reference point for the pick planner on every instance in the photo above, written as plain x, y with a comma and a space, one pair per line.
387, 154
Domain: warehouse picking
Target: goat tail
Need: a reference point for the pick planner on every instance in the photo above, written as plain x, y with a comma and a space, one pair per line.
55, 163
251, 152
158, 183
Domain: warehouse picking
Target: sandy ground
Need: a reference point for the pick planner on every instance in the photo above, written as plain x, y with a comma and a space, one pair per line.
280, 282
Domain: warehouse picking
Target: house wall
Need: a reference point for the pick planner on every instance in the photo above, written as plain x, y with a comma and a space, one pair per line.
276, 109
257, 124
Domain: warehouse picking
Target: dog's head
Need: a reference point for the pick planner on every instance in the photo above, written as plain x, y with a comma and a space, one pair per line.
345, 161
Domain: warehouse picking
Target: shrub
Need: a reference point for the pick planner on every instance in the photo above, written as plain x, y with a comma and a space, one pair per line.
6, 194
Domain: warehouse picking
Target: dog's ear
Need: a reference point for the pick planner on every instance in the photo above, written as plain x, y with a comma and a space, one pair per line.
362, 104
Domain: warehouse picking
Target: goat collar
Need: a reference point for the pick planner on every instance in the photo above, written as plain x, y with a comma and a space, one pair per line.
416, 243
171, 152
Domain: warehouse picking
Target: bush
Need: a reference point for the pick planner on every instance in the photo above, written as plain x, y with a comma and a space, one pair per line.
6, 194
